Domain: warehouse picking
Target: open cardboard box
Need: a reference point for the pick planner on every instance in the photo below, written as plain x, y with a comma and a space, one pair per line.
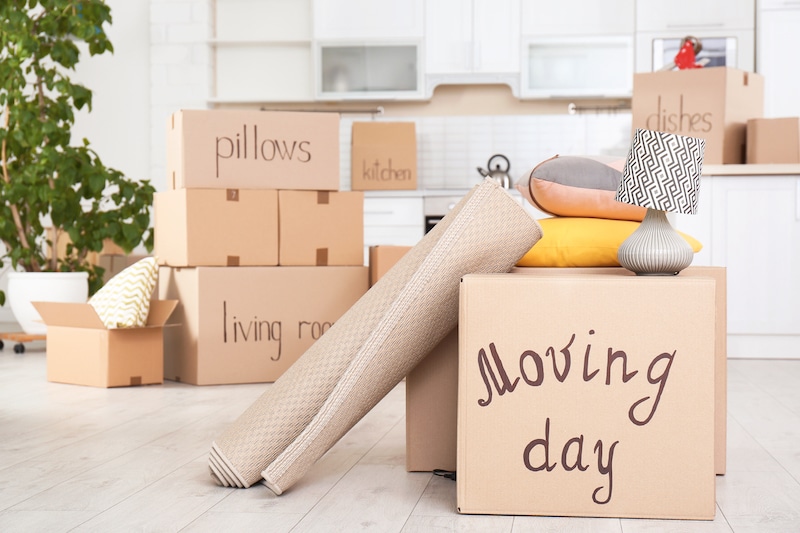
81, 350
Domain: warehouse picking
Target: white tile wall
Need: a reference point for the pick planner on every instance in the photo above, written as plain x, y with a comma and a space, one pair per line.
181, 68
449, 149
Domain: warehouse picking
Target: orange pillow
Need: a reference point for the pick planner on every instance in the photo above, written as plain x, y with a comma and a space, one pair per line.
578, 186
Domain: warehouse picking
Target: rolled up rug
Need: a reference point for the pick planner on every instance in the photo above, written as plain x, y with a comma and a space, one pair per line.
373, 345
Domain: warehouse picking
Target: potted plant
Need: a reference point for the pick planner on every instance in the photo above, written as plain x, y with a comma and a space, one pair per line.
49, 179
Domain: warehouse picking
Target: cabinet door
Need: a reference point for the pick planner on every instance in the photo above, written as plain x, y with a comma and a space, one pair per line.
375, 19
657, 15
756, 234
496, 35
545, 18
448, 36
778, 40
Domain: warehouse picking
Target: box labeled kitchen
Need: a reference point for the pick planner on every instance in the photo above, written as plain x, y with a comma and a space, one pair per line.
249, 324
216, 227
712, 103
431, 388
81, 350
243, 149
773, 140
383, 156
321, 228
586, 396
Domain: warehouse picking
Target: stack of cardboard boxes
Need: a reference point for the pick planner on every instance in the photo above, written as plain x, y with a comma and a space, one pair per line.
257, 242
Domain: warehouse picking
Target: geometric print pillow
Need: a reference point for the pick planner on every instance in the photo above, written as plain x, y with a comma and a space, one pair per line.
124, 301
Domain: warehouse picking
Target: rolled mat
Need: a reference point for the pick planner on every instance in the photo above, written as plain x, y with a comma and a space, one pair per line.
369, 350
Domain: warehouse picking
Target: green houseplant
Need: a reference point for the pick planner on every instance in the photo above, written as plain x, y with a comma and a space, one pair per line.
48, 178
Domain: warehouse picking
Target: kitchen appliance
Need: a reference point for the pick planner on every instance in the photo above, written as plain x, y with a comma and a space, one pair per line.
715, 51
498, 173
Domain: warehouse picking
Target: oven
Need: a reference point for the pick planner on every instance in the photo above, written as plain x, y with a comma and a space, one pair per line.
434, 208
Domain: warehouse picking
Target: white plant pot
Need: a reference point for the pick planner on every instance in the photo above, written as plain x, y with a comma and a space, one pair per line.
27, 287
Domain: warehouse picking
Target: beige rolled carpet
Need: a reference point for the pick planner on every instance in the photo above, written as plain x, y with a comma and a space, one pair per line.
372, 346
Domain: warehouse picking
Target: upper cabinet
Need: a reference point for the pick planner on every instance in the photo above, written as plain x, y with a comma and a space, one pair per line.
778, 37
262, 51
368, 50
726, 29
472, 41
577, 48
376, 20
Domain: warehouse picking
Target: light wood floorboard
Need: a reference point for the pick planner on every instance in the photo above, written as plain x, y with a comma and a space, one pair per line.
86, 459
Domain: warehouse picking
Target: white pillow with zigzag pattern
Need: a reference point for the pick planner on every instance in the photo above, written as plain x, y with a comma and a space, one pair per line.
124, 301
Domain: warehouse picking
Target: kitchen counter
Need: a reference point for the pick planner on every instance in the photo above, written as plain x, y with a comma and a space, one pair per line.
750, 170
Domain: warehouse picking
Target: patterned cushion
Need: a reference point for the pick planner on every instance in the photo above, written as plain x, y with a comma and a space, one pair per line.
124, 301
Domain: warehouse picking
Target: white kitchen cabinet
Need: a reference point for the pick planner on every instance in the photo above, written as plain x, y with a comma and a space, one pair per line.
262, 51
726, 28
659, 15
375, 19
545, 18
577, 48
475, 41
391, 219
750, 224
779, 39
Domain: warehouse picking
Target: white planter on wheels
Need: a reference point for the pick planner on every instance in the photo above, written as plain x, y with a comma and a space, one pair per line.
27, 287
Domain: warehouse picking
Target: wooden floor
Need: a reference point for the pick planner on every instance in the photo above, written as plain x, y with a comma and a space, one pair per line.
77, 458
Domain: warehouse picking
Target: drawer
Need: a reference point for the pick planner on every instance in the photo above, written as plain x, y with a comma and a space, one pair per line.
393, 212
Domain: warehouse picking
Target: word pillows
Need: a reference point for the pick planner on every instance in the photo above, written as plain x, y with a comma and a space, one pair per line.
578, 186
124, 301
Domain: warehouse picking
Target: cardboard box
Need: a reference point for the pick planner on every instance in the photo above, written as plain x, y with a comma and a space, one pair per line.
249, 324
216, 227
432, 409
773, 140
116, 263
712, 103
382, 258
431, 386
601, 403
383, 156
82, 351
321, 228
249, 149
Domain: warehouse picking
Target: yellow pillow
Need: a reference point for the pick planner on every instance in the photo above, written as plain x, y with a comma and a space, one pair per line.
583, 242
124, 301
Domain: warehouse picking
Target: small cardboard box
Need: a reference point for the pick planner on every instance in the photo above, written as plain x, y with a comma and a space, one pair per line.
383, 156
321, 228
114, 263
249, 149
601, 403
431, 388
773, 140
712, 103
82, 351
382, 258
216, 227
249, 324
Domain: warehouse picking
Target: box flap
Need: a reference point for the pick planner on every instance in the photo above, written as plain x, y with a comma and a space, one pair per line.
160, 310
81, 315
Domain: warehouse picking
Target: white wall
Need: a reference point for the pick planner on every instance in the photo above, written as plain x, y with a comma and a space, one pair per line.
118, 127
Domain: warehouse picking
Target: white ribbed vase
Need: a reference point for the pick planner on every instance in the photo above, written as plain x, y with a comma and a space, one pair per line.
655, 248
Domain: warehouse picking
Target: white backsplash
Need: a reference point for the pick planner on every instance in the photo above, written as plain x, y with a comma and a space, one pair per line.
450, 148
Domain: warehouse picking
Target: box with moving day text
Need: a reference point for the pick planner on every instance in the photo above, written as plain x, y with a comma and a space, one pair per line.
601, 406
